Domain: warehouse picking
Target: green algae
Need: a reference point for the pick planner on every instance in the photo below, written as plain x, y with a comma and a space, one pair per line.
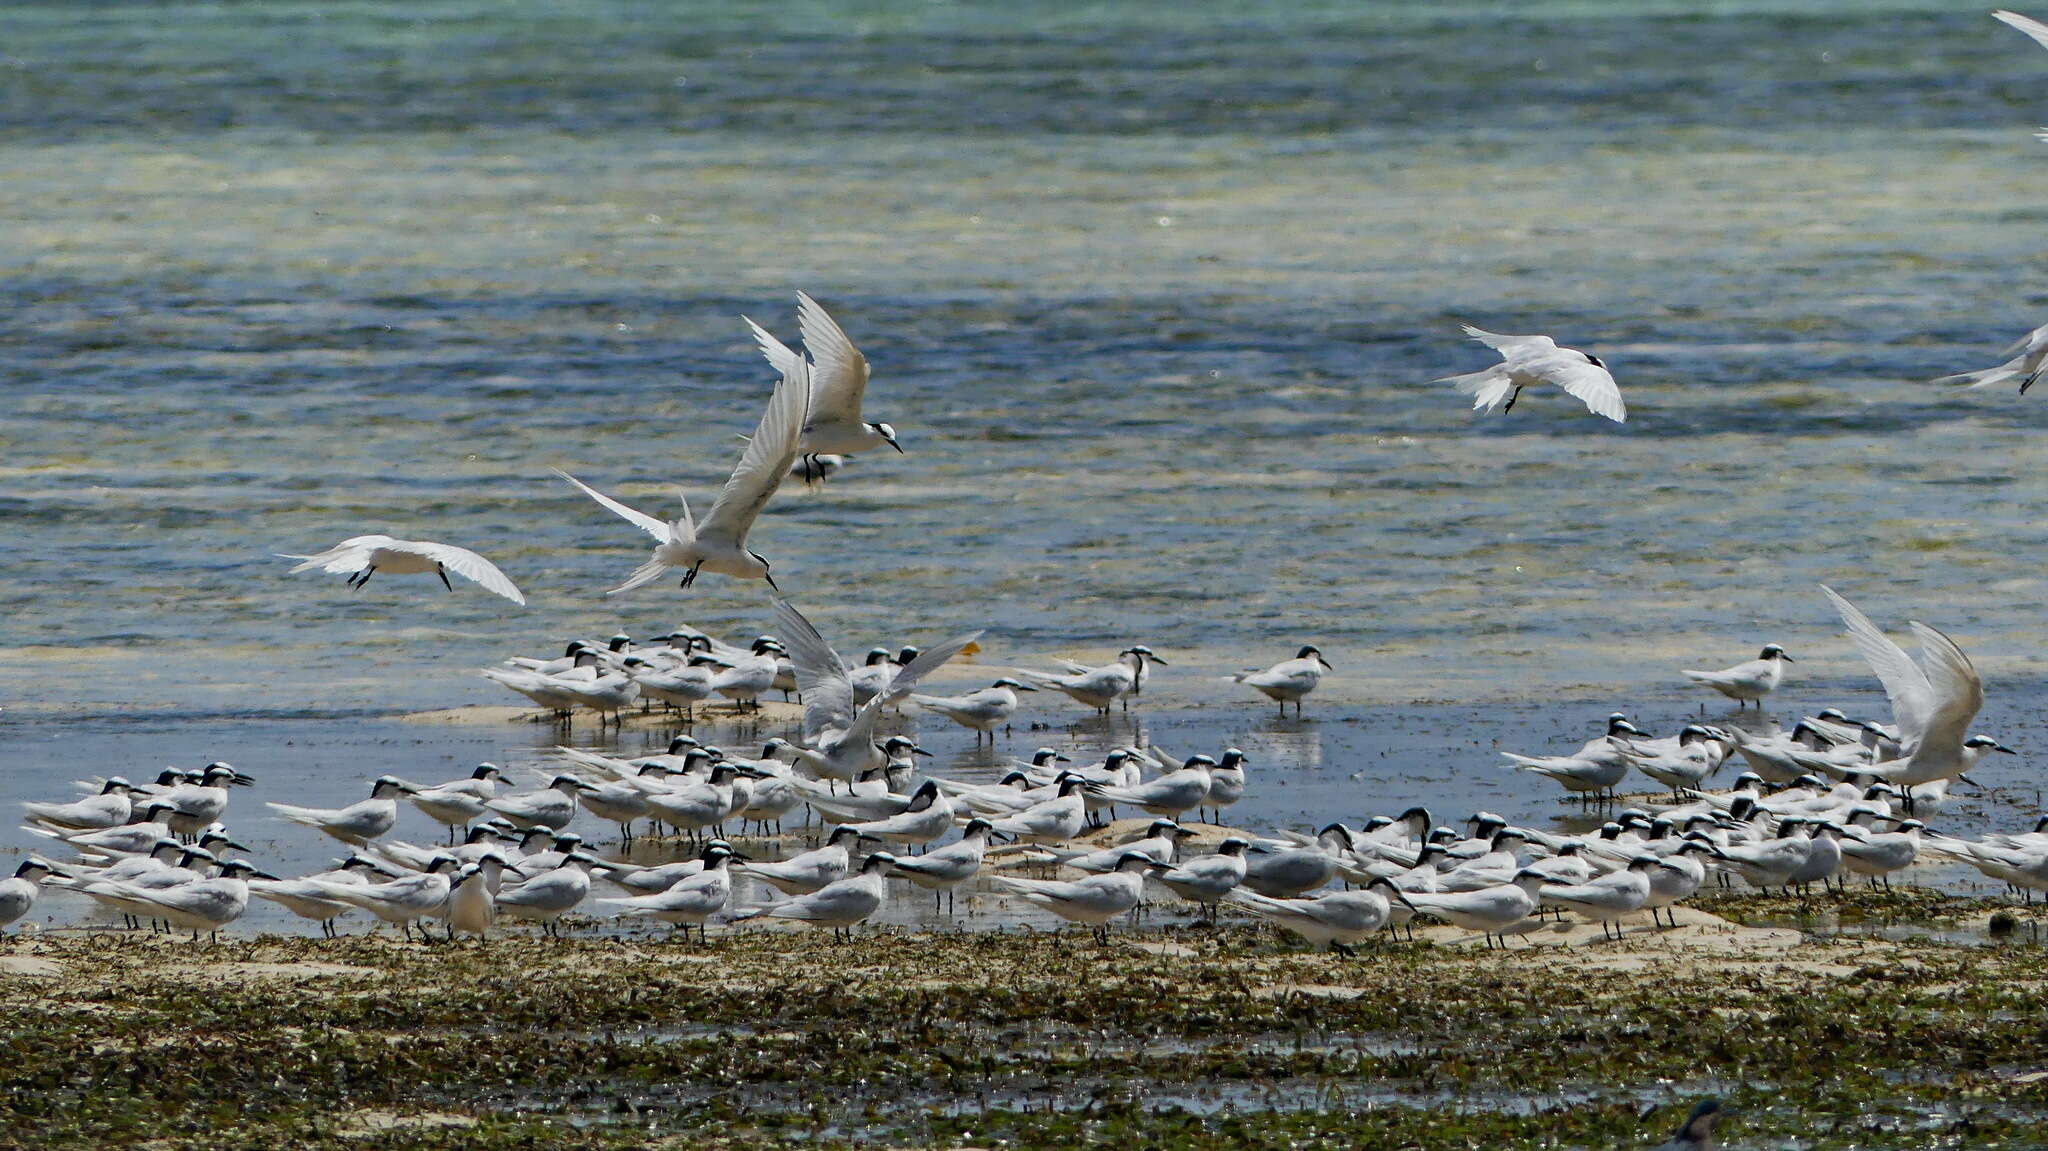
1199, 1038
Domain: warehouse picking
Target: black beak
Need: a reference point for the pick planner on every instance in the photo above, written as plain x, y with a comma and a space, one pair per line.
916, 750
770, 576
898, 447
1325, 663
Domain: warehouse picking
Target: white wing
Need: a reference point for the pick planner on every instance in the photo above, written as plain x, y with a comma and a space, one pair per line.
765, 462
927, 661
840, 377
821, 676
1904, 683
780, 356
350, 555
2034, 29
1958, 692
462, 562
1593, 386
1505, 344
657, 528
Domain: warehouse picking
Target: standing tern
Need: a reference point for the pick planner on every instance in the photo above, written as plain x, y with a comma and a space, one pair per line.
1610, 898
983, 711
552, 807
1094, 900
1491, 911
1747, 682
546, 897
18, 893
811, 870
841, 906
1098, 687
203, 905
358, 823
720, 544
1206, 879
690, 900
110, 808
1529, 361
1289, 681
1336, 921
839, 382
365, 556
942, 870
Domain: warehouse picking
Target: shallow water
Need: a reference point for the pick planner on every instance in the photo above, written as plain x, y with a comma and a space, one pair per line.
1153, 292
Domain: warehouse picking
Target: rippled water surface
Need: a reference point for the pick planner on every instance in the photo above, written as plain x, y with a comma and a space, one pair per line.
1153, 292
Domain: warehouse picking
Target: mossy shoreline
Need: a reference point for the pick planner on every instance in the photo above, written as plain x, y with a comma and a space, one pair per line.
1185, 1037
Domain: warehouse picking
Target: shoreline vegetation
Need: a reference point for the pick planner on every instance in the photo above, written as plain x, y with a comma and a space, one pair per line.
1183, 1036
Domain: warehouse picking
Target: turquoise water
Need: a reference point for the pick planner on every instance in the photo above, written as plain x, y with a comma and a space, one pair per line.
1154, 294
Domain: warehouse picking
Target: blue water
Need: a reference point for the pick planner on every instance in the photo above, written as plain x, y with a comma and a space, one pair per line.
1153, 292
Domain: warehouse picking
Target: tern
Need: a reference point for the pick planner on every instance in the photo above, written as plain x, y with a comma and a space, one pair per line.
929, 816
461, 801
811, 870
1747, 682
473, 895
1529, 361
112, 807
1490, 912
549, 895
1157, 844
840, 732
980, 711
1289, 681
1608, 899
303, 897
842, 906
2025, 360
1094, 900
690, 900
365, 556
18, 893
1054, 821
1206, 879
1098, 687
839, 381
358, 823
202, 905
551, 807
403, 901
1337, 921
1934, 700
942, 870
720, 544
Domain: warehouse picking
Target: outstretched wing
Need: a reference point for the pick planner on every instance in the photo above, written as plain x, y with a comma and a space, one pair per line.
350, 555
465, 563
1958, 692
1904, 682
2035, 30
657, 528
780, 356
821, 676
839, 378
765, 462
1593, 386
927, 661
1505, 344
